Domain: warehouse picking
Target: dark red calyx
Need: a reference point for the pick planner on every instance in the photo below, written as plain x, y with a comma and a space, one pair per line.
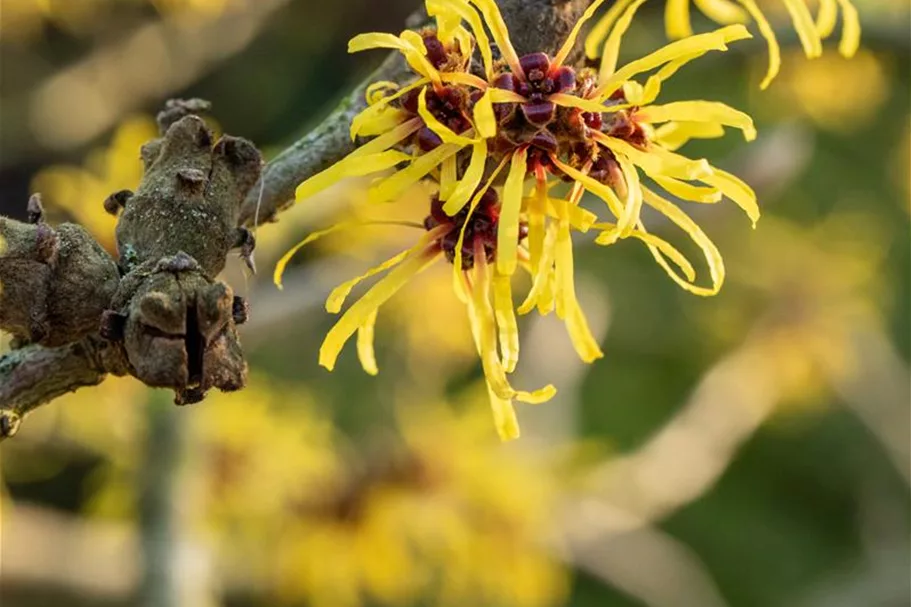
564, 78
544, 140
427, 140
539, 114
535, 65
436, 52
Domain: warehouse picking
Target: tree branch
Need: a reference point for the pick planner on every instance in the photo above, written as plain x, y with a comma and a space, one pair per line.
168, 297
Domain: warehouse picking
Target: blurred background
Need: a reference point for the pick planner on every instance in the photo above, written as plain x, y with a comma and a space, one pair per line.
748, 450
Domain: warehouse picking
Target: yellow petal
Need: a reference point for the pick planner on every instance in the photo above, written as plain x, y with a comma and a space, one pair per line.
612, 46
688, 191
382, 122
361, 310
470, 16
579, 218
371, 113
633, 207
661, 246
737, 190
601, 29
482, 313
395, 185
677, 19
850, 29
464, 78
602, 191
826, 18
413, 50
504, 416
382, 88
722, 12
466, 186
684, 222
716, 40
506, 322
536, 210
570, 41
283, 262
541, 294
445, 133
365, 352
500, 33
673, 135
508, 228
352, 166
765, 29
700, 111
447, 178
579, 333
337, 297
485, 123
805, 27
657, 161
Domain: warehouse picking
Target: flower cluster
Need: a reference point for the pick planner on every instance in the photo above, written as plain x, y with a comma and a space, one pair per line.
513, 144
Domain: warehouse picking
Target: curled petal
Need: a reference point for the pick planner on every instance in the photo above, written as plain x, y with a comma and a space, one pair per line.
673, 135
413, 50
352, 166
723, 12
485, 123
688, 191
602, 191
684, 222
677, 19
570, 41
700, 111
850, 29
603, 27
826, 18
467, 185
737, 190
805, 27
395, 185
716, 40
579, 333
506, 322
367, 305
765, 29
464, 11
500, 33
365, 352
612, 46
508, 229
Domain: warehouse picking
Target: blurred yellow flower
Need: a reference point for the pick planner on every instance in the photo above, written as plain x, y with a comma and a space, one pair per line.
81, 191
811, 31
812, 290
817, 89
448, 517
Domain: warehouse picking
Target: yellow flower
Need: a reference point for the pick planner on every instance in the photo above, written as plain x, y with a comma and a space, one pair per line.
728, 12
437, 516
538, 117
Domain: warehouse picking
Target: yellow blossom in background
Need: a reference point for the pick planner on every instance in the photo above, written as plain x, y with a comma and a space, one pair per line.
817, 89
80, 191
812, 290
447, 517
811, 29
